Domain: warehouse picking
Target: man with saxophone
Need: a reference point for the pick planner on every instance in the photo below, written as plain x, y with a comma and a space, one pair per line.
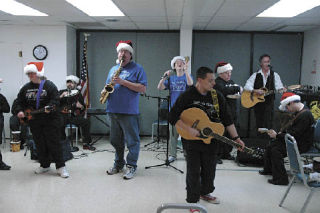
176, 82
71, 101
123, 109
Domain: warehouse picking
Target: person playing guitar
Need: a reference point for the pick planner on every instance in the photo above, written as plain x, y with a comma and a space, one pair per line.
40, 94
71, 101
270, 80
201, 157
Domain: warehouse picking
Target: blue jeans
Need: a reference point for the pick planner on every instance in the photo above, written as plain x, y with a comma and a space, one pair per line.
125, 130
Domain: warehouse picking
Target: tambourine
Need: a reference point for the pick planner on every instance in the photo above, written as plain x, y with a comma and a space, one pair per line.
72, 93
234, 96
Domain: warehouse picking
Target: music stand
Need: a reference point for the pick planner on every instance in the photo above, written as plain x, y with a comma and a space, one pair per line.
158, 121
167, 162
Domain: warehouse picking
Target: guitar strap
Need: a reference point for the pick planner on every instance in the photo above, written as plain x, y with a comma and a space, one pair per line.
215, 102
39, 93
290, 122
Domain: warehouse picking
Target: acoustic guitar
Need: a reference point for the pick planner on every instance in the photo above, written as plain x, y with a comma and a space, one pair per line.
198, 119
29, 113
250, 98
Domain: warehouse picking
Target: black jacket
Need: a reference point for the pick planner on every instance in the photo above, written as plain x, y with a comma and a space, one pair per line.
27, 97
4, 105
228, 88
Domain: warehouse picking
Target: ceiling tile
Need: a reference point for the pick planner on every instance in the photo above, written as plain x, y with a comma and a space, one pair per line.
152, 25
148, 19
174, 25
174, 7
141, 7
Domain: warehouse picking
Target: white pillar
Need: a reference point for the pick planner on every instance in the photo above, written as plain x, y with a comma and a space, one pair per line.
186, 44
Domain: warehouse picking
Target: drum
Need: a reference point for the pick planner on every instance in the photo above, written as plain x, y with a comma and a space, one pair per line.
15, 146
234, 96
15, 136
72, 93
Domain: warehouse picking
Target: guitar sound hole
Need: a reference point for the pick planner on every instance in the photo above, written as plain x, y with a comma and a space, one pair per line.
206, 131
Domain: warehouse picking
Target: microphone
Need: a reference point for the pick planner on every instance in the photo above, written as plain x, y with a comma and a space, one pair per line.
269, 65
166, 75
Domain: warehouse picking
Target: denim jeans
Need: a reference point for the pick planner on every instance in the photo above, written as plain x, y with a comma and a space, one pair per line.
125, 130
173, 141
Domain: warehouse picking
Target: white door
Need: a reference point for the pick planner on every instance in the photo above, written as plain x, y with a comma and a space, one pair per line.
11, 71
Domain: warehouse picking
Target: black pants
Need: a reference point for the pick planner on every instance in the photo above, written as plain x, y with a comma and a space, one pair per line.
264, 114
1, 127
15, 126
84, 124
0, 157
201, 169
273, 160
224, 149
46, 134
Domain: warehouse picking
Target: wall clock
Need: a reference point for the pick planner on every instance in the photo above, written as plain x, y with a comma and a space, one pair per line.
40, 52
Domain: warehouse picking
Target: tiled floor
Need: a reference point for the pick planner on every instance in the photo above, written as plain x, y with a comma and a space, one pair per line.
90, 189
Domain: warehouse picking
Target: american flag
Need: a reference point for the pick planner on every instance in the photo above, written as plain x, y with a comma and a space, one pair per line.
84, 76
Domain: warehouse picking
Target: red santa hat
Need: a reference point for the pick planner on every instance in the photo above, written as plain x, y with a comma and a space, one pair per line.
73, 78
286, 98
127, 45
222, 67
34, 67
173, 61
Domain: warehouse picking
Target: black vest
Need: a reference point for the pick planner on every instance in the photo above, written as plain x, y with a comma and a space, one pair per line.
258, 83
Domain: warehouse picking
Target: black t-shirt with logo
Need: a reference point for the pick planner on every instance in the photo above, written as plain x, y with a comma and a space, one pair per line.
192, 98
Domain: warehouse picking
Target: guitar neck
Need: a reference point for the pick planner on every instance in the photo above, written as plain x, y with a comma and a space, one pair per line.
231, 142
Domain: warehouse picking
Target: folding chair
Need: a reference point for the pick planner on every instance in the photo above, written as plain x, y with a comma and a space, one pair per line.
297, 171
313, 152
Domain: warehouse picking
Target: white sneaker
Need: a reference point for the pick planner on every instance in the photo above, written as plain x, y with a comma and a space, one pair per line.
41, 170
63, 172
171, 159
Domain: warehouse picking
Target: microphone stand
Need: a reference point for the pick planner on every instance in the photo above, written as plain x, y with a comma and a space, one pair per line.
70, 111
158, 121
167, 162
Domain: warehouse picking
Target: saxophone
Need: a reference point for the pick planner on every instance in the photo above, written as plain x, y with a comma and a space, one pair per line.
109, 88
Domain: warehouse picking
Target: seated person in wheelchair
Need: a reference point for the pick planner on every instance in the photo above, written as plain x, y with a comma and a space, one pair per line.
73, 110
300, 127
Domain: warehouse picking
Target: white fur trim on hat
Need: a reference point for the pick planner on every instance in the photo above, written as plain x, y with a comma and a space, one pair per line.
29, 68
286, 101
73, 78
173, 61
125, 46
224, 68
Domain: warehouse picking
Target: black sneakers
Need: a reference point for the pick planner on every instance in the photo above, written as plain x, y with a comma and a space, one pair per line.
89, 147
4, 166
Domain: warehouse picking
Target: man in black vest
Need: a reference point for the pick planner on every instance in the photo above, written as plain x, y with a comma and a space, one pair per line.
269, 79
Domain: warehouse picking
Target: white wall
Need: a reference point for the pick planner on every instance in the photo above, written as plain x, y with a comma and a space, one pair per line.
311, 58
15, 38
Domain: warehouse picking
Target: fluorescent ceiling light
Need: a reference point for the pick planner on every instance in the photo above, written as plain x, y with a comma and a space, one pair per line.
97, 7
18, 9
289, 8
